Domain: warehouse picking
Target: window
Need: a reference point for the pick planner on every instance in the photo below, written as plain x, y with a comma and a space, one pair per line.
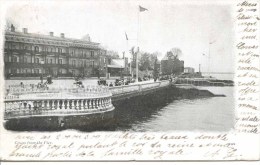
28, 70
6, 58
21, 46
59, 50
92, 53
9, 45
13, 46
36, 71
37, 61
73, 63
51, 49
15, 59
73, 72
92, 64
60, 61
60, 71
6, 45
72, 52
36, 49
13, 70
50, 61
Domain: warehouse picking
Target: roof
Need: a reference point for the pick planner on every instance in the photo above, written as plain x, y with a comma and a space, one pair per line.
48, 40
117, 63
188, 68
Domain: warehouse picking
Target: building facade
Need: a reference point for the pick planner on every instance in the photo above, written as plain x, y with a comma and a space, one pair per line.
31, 55
172, 66
189, 70
118, 67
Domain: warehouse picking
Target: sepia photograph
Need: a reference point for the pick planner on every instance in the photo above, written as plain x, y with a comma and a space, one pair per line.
129, 80
119, 67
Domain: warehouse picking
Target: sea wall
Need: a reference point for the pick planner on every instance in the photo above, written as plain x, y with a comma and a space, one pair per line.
137, 107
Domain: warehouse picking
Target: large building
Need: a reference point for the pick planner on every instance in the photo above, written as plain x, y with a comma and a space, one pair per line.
31, 55
171, 66
189, 70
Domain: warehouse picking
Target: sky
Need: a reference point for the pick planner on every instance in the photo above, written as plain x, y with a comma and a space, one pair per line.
166, 24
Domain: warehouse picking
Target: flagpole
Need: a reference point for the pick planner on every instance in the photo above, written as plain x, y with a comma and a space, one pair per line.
127, 50
137, 43
209, 60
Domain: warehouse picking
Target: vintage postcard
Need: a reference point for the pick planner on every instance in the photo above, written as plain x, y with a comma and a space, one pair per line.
137, 80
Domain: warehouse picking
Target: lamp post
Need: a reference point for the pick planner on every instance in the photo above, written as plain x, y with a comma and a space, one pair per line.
42, 62
210, 43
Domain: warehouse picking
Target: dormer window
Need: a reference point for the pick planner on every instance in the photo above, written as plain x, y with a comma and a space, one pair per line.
36, 49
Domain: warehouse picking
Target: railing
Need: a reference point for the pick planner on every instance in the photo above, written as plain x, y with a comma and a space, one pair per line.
137, 87
27, 90
28, 108
202, 82
28, 100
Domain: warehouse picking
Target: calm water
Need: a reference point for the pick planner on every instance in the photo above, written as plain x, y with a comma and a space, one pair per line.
229, 76
207, 114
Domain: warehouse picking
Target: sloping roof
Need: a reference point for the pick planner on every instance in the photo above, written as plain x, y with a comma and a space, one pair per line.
117, 63
48, 40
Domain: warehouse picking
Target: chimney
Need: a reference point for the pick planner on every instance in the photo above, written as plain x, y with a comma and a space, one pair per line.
62, 35
25, 30
51, 34
12, 28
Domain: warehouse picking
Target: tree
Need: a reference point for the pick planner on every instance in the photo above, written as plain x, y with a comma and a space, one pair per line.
145, 62
155, 70
8, 23
174, 53
112, 54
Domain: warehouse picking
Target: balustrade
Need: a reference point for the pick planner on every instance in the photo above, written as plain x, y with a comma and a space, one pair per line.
137, 88
50, 107
100, 99
87, 91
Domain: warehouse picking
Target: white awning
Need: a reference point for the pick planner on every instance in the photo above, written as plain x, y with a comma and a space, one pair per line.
117, 63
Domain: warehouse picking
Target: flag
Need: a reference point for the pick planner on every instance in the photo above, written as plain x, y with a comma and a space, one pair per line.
141, 9
132, 50
126, 36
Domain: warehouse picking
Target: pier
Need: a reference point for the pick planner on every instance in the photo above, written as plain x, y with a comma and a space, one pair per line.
87, 106
204, 82
122, 92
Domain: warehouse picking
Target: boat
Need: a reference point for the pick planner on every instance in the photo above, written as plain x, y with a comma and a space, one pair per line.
41, 107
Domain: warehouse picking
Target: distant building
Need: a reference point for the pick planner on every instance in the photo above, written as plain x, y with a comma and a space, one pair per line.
171, 66
30, 55
118, 67
189, 70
